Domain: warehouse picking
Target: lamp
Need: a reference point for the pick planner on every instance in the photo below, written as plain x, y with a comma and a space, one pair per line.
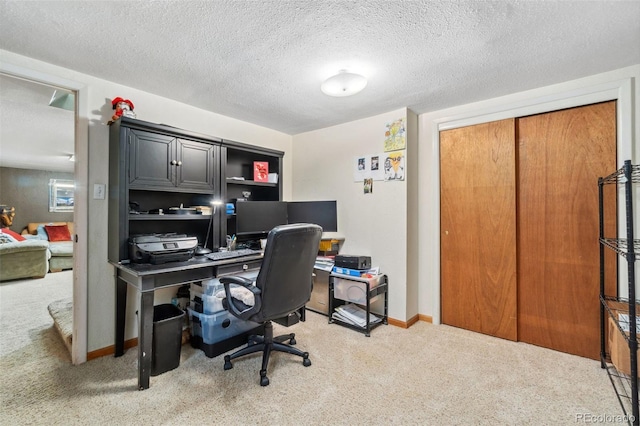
63, 100
201, 251
343, 84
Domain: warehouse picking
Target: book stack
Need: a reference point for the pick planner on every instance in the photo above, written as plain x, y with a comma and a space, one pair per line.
355, 315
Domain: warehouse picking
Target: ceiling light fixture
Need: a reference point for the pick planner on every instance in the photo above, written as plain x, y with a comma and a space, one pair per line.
343, 84
63, 100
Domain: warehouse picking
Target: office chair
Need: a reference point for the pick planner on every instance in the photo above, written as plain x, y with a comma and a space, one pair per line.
283, 286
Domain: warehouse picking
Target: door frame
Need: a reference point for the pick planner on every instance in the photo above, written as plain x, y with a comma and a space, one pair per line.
80, 212
522, 104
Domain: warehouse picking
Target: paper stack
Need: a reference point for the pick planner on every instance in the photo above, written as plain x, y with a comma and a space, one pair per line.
324, 263
354, 314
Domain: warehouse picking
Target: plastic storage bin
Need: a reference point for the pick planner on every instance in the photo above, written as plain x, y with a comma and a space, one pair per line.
204, 300
203, 294
167, 338
352, 290
220, 332
214, 328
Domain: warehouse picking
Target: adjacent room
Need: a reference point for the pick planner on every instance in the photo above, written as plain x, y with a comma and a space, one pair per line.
207, 204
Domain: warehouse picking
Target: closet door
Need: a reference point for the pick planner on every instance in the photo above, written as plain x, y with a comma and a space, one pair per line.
560, 157
478, 228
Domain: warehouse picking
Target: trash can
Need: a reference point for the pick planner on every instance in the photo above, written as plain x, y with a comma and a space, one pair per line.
167, 338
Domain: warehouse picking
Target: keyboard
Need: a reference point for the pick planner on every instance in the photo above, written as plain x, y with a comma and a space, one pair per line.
224, 255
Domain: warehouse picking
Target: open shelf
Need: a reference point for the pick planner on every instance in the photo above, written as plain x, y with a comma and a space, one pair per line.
232, 181
624, 385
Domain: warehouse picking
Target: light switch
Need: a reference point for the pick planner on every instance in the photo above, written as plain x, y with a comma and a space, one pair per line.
99, 190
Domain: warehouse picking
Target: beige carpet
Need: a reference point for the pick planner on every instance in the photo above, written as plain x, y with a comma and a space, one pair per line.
425, 375
62, 313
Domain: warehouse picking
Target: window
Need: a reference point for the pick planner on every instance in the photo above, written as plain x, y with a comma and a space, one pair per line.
61, 195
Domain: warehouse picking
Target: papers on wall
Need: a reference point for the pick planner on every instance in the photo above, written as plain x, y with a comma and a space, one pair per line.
355, 315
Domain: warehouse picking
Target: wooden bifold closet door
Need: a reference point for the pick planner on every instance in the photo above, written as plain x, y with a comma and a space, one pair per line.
530, 272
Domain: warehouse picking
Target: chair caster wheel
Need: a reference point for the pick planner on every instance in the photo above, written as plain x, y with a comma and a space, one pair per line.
306, 361
264, 380
292, 341
227, 363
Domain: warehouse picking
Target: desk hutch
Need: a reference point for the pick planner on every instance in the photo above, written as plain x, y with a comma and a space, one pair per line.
153, 167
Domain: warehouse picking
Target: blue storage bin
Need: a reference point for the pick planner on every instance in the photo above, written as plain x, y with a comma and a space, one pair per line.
219, 326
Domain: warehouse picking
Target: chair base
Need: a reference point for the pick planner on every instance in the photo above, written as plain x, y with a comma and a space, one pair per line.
266, 344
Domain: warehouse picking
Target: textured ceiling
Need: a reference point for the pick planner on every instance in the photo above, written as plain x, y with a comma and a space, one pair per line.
33, 135
263, 61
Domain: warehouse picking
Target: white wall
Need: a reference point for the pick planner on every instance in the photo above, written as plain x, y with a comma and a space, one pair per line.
148, 107
622, 84
397, 225
372, 224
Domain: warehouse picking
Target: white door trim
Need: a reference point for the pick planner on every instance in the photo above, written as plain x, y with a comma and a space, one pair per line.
80, 213
519, 105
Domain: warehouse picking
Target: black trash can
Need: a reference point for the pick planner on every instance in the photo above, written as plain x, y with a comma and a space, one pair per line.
167, 338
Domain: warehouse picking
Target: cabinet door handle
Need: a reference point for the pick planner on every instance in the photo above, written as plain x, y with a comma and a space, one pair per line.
179, 163
173, 162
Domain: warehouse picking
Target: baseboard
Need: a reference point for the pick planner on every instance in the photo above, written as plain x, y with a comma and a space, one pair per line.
425, 318
110, 350
131, 343
410, 322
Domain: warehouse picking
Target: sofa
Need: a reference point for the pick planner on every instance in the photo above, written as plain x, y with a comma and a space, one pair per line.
60, 247
24, 259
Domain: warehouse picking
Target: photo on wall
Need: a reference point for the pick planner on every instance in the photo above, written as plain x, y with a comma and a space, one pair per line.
368, 186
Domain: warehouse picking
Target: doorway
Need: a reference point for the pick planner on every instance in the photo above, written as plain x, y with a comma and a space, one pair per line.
80, 173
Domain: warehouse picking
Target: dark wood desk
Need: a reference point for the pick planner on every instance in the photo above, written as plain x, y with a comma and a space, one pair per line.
146, 278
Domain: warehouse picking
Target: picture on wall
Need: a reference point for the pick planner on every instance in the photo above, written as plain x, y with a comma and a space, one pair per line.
388, 166
395, 136
368, 186
367, 166
394, 166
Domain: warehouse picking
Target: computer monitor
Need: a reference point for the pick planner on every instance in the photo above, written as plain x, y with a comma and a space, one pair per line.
323, 213
259, 217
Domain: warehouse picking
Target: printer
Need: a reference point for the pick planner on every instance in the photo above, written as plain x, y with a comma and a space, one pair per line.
161, 248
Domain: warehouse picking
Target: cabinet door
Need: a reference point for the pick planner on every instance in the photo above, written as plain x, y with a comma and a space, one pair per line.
150, 158
478, 228
194, 168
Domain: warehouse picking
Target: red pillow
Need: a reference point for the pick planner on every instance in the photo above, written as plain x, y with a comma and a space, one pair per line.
13, 234
58, 232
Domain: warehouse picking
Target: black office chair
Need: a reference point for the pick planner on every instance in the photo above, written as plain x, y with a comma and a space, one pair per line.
283, 286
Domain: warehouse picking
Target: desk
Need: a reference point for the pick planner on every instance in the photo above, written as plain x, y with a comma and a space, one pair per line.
146, 278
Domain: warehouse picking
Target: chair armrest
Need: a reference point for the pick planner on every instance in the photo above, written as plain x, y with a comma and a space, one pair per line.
233, 305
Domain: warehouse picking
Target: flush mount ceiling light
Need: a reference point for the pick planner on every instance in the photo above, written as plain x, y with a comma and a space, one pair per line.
343, 84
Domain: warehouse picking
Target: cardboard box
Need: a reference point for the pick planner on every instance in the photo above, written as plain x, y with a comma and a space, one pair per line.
618, 348
329, 245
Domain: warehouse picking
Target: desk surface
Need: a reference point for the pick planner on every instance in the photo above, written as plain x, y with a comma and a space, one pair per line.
142, 269
147, 277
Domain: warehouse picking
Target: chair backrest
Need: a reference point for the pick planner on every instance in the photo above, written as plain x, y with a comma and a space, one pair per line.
286, 276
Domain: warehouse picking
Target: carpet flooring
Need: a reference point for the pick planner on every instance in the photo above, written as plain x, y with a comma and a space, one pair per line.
424, 375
